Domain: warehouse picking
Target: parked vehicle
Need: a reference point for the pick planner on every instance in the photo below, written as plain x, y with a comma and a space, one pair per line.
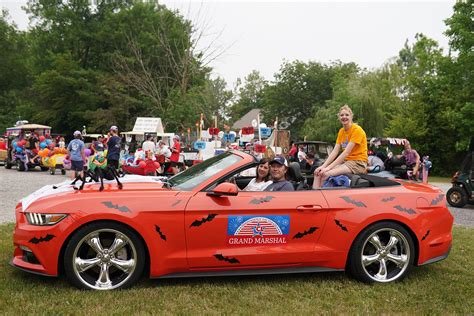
462, 191
19, 157
320, 150
197, 223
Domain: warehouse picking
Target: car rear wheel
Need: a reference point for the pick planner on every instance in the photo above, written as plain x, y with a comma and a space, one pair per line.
104, 256
456, 197
382, 253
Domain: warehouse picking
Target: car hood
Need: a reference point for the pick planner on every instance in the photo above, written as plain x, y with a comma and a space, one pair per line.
63, 189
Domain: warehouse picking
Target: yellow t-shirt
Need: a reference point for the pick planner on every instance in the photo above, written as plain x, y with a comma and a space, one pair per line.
356, 135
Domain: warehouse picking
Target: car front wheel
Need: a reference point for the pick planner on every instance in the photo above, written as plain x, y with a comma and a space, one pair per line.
382, 253
104, 256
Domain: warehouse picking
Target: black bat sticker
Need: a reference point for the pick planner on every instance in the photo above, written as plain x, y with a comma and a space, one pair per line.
356, 203
198, 222
220, 257
116, 206
426, 235
262, 200
176, 203
158, 230
391, 198
437, 200
406, 210
338, 223
47, 238
305, 233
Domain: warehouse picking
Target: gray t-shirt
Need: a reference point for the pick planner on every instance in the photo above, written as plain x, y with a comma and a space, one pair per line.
280, 186
75, 147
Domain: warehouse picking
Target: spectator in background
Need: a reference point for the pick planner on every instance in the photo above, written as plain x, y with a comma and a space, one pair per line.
61, 142
374, 164
293, 151
3, 144
312, 162
163, 153
301, 155
113, 148
98, 145
149, 145
175, 150
77, 155
163, 149
412, 159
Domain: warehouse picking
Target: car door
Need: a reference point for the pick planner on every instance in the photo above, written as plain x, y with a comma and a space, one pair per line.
253, 228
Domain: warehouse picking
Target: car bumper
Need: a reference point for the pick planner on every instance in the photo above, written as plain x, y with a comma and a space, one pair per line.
36, 248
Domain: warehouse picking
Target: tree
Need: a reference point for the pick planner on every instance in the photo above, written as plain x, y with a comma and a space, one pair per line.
14, 73
298, 91
247, 95
459, 73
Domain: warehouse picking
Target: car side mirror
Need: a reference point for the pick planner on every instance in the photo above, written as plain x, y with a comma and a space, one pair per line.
224, 189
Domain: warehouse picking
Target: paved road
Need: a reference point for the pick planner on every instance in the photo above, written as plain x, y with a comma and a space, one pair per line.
14, 185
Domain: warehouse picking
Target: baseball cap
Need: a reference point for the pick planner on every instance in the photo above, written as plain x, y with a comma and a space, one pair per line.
280, 160
176, 137
77, 133
113, 128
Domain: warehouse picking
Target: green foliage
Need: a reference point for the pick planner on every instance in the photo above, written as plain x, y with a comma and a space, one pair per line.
14, 73
298, 91
112, 62
247, 95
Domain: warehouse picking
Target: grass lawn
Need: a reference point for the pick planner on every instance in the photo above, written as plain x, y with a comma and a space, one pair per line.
444, 287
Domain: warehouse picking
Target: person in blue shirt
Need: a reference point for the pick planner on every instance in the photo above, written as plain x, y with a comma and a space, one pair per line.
113, 148
278, 170
77, 154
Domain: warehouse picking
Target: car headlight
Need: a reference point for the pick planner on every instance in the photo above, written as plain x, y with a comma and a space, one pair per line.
39, 219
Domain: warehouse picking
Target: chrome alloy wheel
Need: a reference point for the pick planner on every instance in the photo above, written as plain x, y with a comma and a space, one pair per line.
104, 259
385, 255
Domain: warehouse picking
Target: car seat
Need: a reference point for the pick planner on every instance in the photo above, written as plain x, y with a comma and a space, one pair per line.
295, 177
358, 182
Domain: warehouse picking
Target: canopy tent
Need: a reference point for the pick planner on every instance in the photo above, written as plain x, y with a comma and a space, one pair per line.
40, 129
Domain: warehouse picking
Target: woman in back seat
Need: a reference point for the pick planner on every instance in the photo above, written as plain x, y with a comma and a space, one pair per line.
352, 140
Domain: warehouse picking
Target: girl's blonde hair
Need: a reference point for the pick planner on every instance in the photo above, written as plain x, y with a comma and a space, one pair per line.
346, 108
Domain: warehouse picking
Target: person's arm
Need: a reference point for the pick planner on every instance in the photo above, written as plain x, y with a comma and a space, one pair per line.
83, 154
331, 156
342, 156
329, 160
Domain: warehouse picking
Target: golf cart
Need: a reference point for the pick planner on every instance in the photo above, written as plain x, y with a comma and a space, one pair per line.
17, 154
320, 151
462, 191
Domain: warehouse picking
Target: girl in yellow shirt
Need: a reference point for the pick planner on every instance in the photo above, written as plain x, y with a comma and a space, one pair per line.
352, 140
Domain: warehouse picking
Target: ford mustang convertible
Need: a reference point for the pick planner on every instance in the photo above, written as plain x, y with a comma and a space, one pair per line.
198, 223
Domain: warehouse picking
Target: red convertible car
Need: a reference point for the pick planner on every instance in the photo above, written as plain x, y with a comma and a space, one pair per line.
199, 224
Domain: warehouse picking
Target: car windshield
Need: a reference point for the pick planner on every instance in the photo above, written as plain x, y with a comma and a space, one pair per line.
192, 177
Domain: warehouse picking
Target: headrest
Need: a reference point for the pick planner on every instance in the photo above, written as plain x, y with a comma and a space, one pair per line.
294, 172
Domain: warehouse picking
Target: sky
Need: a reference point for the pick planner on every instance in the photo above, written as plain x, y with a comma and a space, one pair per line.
261, 35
